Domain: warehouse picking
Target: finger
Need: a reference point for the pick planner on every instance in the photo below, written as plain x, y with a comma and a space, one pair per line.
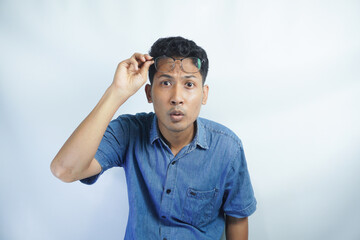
134, 64
148, 57
145, 68
144, 58
139, 57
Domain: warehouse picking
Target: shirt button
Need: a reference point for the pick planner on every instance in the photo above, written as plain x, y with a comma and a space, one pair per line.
163, 216
168, 191
173, 163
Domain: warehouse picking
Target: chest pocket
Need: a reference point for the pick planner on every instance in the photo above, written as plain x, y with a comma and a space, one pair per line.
199, 206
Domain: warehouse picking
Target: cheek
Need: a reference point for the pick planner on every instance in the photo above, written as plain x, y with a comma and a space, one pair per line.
195, 98
156, 95
159, 101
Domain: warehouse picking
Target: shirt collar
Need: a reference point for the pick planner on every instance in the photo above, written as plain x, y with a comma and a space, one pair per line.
200, 137
199, 140
154, 133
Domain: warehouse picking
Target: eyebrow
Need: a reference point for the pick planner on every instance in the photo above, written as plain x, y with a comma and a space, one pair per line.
171, 77
166, 76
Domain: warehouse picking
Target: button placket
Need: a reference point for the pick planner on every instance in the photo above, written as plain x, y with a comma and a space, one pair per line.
168, 193
167, 196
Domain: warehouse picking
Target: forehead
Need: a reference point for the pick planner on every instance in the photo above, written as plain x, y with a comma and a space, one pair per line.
178, 74
177, 70
178, 57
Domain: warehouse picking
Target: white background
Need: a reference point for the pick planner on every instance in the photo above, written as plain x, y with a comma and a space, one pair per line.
284, 76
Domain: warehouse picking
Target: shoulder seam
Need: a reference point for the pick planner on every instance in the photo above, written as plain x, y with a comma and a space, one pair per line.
232, 136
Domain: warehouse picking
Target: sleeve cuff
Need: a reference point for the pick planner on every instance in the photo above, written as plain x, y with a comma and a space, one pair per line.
249, 210
100, 157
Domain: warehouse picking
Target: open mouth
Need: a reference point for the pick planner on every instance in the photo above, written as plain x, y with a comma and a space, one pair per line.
176, 116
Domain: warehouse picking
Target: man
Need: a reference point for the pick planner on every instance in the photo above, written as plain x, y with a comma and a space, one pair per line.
186, 175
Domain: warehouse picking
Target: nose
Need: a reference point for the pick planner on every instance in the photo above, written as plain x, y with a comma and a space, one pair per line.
177, 96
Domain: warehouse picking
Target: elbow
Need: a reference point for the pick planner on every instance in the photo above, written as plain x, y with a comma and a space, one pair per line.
61, 172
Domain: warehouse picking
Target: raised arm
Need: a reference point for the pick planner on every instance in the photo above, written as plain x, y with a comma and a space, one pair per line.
75, 160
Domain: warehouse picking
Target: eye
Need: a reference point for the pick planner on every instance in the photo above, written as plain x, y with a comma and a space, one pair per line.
165, 83
189, 84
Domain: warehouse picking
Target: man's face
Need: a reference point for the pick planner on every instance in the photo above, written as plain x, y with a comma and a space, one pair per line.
177, 97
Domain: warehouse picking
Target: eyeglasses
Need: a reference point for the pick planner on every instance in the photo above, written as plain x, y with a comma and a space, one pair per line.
167, 64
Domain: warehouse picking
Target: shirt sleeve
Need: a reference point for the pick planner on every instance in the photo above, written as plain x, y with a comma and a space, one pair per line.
111, 150
239, 199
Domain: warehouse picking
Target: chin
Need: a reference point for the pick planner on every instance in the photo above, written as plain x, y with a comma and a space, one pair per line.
176, 128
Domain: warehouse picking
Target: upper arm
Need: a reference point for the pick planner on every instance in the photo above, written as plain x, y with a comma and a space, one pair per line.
239, 200
93, 169
236, 228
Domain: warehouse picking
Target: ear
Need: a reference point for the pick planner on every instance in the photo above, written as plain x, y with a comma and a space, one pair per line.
205, 94
148, 93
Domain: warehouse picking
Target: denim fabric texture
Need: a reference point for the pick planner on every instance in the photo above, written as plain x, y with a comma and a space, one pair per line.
183, 196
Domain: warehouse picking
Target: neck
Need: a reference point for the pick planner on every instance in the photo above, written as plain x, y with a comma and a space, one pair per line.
177, 140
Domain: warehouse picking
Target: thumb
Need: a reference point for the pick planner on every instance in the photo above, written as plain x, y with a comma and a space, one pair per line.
145, 68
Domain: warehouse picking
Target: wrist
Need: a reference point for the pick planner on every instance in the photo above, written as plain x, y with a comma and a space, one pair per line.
113, 98
119, 93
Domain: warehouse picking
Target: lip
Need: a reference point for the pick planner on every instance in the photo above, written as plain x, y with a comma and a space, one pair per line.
176, 115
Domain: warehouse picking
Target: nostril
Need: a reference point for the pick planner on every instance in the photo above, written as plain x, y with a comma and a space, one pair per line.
175, 102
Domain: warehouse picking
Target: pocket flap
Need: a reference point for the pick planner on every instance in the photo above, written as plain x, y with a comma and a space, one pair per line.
202, 194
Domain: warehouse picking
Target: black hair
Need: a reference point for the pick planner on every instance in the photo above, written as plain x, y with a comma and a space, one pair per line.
178, 47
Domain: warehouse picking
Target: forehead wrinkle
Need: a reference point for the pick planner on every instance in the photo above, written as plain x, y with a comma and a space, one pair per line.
189, 76
166, 75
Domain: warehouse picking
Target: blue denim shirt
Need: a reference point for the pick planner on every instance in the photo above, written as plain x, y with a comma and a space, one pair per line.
183, 196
